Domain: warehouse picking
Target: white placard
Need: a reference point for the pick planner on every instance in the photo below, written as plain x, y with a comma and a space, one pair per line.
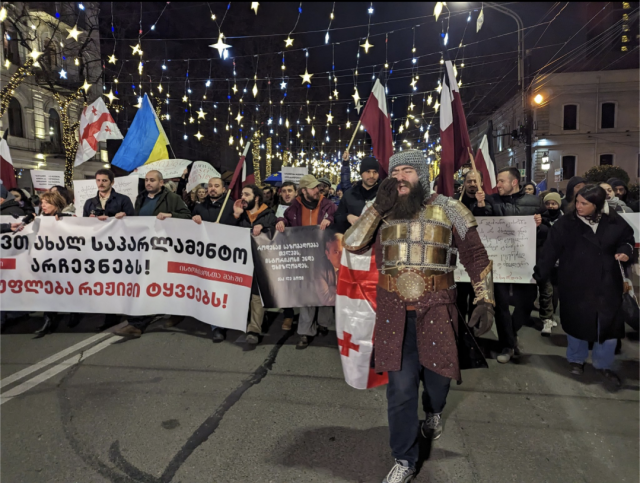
293, 174
201, 172
634, 221
84, 189
510, 242
136, 266
169, 168
43, 180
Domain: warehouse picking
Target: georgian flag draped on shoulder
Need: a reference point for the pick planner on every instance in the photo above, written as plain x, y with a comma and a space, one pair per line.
96, 124
375, 119
7, 174
454, 136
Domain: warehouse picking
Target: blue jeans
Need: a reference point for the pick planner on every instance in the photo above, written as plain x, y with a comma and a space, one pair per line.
402, 397
602, 354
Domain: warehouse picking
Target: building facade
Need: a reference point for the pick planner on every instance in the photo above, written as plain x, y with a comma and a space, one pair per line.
33, 117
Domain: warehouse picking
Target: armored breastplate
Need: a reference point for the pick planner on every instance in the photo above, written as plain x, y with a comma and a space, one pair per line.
422, 244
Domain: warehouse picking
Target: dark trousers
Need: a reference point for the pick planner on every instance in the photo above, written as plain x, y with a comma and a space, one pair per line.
524, 296
288, 313
402, 397
466, 294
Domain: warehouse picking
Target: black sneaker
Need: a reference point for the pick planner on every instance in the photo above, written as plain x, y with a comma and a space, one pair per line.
217, 335
610, 376
322, 330
576, 368
303, 343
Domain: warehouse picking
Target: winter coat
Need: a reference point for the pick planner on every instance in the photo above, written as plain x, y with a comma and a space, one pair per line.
116, 203
168, 202
352, 203
618, 205
589, 278
12, 208
293, 215
467, 201
210, 209
266, 218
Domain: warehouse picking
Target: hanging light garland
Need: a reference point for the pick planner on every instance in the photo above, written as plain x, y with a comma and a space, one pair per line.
69, 139
267, 172
256, 158
16, 79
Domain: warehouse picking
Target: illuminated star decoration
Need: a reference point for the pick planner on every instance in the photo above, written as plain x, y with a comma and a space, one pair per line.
220, 45
288, 42
191, 119
429, 100
199, 136
136, 49
306, 77
348, 124
159, 87
63, 74
308, 120
335, 93
366, 46
112, 59
34, 54
356, 96
239, 117
73, 33
283, 85
254, 91
86, 86
139, 104
329, 117
411, 106
110, 96
254, 7
436, 105
201, 114
234, 88
184, 99
358, 106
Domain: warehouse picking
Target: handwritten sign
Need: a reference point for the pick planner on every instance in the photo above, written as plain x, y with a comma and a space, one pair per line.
293, 174
510, 242
201, 172
169, 168
84, 189
43, 180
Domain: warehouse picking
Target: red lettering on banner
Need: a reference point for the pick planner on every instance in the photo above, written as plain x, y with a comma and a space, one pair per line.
210, 273
7, 263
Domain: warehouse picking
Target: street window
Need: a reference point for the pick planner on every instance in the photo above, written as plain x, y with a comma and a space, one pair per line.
570, 117
54, 128
608, 119
11, 47
568, 166
606, 160
15, 118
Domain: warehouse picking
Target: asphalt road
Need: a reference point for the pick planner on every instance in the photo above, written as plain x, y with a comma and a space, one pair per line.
173, 407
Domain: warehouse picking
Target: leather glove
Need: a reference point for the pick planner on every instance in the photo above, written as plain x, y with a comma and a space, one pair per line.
387, 196
482, 319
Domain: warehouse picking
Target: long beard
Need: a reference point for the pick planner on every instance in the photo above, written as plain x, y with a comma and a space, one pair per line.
409, 205
250, 205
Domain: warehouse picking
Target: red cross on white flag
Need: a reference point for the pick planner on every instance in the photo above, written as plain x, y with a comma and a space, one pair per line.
96, 124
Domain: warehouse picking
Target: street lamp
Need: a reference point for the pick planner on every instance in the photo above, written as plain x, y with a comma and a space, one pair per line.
538, 99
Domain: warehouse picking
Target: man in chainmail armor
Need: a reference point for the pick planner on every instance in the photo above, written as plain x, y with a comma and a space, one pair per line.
417, 237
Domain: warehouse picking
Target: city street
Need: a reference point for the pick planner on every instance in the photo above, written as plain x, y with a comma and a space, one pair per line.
173, 407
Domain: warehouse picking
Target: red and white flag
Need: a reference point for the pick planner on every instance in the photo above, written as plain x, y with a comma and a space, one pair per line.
7, 174
96, 124
454, 136
484, 164
239, 175
356, 319
375, 119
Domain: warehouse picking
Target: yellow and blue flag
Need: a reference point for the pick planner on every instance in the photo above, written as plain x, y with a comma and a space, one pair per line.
145, 141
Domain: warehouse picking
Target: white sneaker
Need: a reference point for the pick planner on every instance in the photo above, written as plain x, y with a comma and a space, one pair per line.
400, 473
548, 325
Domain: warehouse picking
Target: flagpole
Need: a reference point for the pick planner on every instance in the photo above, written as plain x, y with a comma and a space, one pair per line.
355, 131
473, 167
244, 155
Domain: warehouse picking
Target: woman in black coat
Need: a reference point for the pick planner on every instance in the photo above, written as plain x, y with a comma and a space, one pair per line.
589, 244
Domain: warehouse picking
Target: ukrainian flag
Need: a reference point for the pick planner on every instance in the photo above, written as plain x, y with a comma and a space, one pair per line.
145, 141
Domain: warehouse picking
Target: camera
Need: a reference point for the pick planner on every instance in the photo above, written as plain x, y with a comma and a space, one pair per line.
98, 212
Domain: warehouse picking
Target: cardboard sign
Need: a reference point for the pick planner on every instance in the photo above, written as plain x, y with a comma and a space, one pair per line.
201, 172
43, 180
169, 168
84, 189
293, 174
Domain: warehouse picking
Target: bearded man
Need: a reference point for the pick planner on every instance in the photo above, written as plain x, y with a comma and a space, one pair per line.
417, 237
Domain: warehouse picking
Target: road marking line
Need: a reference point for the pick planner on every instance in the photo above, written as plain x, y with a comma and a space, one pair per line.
31, 383
50, 360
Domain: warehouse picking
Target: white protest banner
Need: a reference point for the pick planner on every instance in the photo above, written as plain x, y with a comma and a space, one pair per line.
43, 180
133, 266
293, 174
84, 189
201, 172
169, 168
510, 242
634, 222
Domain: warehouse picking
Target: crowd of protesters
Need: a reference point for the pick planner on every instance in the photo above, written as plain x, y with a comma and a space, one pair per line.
583, 246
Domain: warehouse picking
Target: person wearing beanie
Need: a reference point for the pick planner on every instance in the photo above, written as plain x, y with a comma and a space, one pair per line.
325, 184
549, 288
363, 192
574, 185
417, 326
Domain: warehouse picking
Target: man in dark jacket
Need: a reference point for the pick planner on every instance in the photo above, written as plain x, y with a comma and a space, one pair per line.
251, 212
210, 209
512, 201
107, 202
8, 205
156, 201
308, 209
622, 193
362, 192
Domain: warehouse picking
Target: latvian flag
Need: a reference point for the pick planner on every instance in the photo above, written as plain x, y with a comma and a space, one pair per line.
356, 318
7, 175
